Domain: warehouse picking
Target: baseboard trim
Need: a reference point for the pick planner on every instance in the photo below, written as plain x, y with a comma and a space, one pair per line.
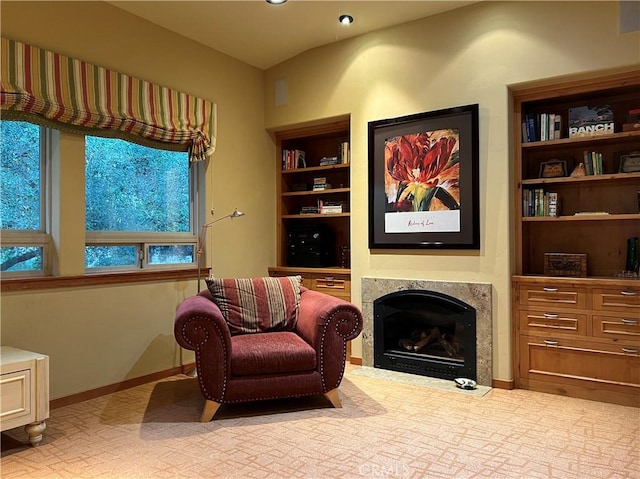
355, 361
503, 383
112, 388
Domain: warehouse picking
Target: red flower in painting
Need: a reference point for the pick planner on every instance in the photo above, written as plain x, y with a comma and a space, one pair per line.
422, 166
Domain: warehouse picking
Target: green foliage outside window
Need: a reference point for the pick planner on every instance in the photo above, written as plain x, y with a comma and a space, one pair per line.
20, 192
19, 176
130, 187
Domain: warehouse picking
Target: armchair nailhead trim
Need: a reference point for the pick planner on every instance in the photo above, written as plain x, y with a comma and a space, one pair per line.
267, 398
344, 349
198, 348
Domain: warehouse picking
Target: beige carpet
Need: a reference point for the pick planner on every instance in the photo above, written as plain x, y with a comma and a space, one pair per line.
386, 429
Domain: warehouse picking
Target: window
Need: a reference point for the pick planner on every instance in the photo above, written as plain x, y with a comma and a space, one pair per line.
25, 242
139, 206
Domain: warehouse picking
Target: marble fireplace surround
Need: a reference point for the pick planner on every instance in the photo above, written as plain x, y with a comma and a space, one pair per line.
477, 295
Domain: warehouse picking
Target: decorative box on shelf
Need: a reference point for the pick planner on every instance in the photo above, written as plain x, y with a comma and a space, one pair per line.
565, 264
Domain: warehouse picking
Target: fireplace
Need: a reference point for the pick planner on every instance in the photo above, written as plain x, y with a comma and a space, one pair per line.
426, 333
475, 295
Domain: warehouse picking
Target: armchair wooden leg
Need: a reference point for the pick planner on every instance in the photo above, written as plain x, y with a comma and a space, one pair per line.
334, 397
210, 408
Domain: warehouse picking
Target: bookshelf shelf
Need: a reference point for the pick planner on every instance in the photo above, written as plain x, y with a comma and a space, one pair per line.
589, 217
314, 193
315, 169
310, 216
616, 177
623, 137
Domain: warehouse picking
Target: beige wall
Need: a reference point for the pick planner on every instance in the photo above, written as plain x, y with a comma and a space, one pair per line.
465, 56
97, 336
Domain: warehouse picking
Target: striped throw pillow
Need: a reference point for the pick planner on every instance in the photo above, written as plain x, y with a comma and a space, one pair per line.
254, 305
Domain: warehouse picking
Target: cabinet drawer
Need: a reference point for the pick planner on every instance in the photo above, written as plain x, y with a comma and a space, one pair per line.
617, 327
558, 359
550, 321
622, 299
307, 279
552, 296
331, 283
15, 399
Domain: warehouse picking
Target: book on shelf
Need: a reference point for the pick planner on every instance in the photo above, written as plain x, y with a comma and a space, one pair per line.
320, 183
309, 210
557, 127
344, 153
328, 160
537, 202
552, 204
293, 159
585, 121
329, 207
592, 161
541, 127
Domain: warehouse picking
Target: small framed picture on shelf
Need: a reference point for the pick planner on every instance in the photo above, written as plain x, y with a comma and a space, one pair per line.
630, 163
553, 169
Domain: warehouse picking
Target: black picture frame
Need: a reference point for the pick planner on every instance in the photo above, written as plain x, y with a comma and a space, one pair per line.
630, 163
424, 180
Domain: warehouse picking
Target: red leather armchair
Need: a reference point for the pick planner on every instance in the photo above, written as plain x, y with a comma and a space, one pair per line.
308, 359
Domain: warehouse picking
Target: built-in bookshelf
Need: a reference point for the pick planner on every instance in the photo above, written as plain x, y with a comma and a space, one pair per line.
577, 197
314, 205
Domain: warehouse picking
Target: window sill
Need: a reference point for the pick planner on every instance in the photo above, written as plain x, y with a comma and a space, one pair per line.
60, 282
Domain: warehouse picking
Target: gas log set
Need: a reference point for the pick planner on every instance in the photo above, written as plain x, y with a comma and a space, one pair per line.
421, 341
425, 332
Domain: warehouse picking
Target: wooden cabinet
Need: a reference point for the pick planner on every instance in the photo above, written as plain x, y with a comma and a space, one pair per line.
24, 391
577, 336
578, 347
323, 259
326, 280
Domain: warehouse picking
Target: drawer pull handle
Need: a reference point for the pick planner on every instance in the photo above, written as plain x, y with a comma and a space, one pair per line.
630, 350
630, 321
329, 279
549, 289
628, 293
551, 315
548, 342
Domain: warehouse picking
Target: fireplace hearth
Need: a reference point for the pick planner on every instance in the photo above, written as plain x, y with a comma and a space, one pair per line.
426, 333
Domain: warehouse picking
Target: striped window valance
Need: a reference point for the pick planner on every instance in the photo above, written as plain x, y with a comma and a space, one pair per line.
51, 89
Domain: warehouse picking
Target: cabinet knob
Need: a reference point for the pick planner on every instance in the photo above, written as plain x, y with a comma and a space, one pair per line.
550, 289
549, 342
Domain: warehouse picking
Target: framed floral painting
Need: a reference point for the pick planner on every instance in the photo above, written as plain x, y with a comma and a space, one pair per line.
423, 180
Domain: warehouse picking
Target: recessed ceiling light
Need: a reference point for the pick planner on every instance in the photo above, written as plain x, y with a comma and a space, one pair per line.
345, 19
276, 2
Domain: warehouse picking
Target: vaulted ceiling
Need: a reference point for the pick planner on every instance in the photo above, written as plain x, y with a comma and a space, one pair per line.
264, 35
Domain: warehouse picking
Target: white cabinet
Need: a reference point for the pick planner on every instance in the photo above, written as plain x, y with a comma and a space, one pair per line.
24, 391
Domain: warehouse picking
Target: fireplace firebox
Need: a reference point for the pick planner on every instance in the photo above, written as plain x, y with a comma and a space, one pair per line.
426, 333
